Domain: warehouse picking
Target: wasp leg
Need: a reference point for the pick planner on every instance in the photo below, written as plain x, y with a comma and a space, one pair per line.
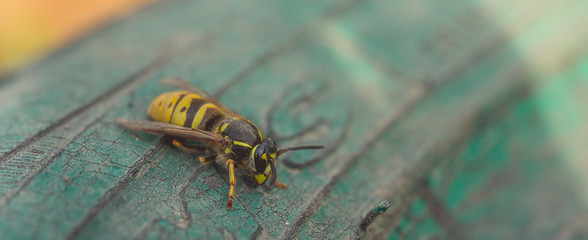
281, 185
231, 165
180, 145
207, 158
202, 159
274, 176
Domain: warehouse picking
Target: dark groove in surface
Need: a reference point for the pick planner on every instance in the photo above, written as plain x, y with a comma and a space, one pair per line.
182, 193
305, 99
418, 92
330, 149
271, 53
7, 197
287, 44
142, 73
303, 131
441, 214
105, 199
308, 98
143, 234
188, 216
255, 235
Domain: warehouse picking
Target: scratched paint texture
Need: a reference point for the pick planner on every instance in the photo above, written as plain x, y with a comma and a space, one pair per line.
447, 114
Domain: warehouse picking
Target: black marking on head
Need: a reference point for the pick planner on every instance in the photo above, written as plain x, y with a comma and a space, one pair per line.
183, 109
267, 147
260, 164
170, 104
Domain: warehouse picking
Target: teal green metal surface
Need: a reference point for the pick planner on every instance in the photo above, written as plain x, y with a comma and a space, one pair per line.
467, 117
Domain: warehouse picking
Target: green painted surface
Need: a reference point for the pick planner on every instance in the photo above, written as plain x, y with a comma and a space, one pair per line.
455, 113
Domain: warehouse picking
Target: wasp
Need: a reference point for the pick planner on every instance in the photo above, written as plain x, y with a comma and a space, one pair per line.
199, 123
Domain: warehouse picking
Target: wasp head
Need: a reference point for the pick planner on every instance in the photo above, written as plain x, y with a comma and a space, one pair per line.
264, 159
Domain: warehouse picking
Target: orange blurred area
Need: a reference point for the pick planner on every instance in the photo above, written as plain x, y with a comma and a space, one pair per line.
30, 29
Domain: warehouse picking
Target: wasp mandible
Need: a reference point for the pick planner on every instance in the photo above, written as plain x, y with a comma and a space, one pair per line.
198, 122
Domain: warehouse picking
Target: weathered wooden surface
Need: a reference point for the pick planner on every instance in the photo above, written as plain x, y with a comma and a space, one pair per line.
406, 95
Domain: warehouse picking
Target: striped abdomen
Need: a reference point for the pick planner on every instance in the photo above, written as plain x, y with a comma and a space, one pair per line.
185, 109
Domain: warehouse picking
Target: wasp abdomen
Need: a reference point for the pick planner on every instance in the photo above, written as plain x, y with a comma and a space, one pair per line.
185, 109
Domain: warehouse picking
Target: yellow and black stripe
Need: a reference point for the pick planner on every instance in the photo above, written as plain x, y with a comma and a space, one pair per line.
186, 109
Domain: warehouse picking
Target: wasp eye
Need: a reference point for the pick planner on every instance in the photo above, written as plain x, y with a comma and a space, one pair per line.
260, 159
260, 165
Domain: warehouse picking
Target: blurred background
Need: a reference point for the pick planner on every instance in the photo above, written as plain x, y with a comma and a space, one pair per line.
31, 29
501, 151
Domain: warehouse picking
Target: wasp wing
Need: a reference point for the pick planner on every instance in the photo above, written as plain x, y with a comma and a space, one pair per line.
172, 130
186, 86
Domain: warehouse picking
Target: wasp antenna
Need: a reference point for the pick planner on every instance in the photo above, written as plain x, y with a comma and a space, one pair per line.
272, 180
285, 150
